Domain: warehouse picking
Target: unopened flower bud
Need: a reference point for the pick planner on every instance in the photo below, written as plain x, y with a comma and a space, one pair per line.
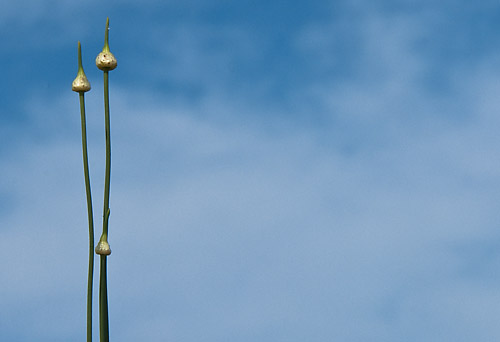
81, 84
106, 60
103, 248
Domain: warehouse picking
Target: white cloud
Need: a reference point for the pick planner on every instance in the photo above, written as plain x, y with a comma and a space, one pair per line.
232, 226
227, 229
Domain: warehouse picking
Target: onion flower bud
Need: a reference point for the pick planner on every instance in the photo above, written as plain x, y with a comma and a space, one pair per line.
106, 60
81, 84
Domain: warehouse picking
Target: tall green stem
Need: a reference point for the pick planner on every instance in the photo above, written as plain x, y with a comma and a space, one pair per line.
105, 61
108, 156
103, 288
103, 302
90, 217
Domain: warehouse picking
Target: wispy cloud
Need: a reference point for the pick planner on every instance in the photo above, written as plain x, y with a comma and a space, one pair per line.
358, 205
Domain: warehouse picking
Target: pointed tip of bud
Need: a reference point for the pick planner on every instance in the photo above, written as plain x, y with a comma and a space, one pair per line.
103, 248
106, 36
81, 83
80, 66
106, 60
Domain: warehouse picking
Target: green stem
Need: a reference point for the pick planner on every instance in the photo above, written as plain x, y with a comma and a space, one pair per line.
90, 217
103, 289
103, 303
108, 156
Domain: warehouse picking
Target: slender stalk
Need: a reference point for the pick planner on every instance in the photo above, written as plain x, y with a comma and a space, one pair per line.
108, 156
90, 218
103, 287
105, 61
81, 85
103, 302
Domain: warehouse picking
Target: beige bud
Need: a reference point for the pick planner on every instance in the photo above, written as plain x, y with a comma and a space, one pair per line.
80, 84
103, 248
106, 61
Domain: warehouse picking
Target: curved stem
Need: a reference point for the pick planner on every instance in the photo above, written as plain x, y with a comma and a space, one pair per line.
90, 216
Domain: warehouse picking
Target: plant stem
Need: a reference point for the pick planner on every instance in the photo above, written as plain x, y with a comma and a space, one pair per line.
108, 157
103, 287
103, 303
90, 217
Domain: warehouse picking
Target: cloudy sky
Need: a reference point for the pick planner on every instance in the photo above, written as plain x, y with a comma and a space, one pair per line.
282, 170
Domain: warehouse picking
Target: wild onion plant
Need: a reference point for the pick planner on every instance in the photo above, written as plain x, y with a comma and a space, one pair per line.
82, 85
105, 61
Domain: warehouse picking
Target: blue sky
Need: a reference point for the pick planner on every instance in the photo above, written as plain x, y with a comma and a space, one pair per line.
282, 171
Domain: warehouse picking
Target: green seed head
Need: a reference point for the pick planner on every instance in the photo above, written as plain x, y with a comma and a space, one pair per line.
106, 60
103, 248
81, 84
